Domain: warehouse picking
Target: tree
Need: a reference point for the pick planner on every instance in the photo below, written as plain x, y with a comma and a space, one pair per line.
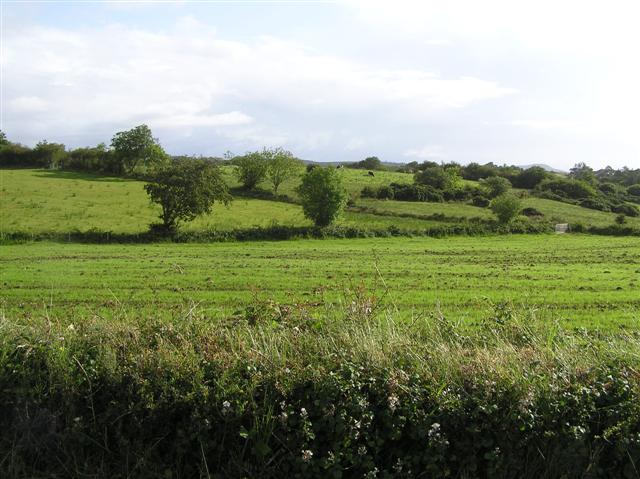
186, 189
137, 148
582, 172
281, 165
369, 163
506, 207
495, 186
49, 155
3, 139
531, 177
438, 177
322, 194
252, 169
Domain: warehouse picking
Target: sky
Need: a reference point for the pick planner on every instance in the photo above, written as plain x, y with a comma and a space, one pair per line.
508, 81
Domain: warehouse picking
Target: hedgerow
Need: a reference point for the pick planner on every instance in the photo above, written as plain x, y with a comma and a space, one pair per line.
279, 391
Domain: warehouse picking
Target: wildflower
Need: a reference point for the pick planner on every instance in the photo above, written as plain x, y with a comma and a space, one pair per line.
393, 401
303, 413
307, 454
226, 408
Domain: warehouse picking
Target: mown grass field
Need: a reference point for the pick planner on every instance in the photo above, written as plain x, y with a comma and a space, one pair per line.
580, 280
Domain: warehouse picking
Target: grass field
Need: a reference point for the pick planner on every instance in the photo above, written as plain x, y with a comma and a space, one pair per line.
59, 201
584, 281
37, 201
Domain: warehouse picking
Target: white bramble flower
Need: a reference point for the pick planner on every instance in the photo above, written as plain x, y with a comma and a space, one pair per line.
307, 454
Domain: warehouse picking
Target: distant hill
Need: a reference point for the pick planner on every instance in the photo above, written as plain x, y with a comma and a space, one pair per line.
546, 167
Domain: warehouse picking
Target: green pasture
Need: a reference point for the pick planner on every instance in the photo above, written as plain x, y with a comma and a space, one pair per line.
61, 201
580, 280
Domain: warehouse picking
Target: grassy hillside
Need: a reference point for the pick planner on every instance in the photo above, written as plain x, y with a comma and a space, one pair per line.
36, 201
582, 280
59, 201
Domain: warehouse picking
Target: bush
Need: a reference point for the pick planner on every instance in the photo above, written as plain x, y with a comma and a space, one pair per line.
626, 209
404, 192
495, 186
595, 204
252, 169
94, 397
480, 201
531, 212
506, 208
567, 188
438, 178
530, 178
322, 195
634, 190
385, 193
368, 192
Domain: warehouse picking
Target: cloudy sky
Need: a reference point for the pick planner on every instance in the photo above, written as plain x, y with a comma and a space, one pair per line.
518, 82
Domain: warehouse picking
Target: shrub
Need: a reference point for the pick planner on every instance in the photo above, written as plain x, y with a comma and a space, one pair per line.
495, 186
531, 212
506, 208
621, 219
595, 204
438, 177
480, 201
404, 192
626, 209
634, 190
530, 178
252, 169
567, 188
368, 192
385, 193
322, 194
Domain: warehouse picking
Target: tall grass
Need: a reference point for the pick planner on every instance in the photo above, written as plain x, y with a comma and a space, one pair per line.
348, 390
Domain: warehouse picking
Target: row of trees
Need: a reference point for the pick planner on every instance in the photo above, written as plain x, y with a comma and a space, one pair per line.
134, 151
187, 188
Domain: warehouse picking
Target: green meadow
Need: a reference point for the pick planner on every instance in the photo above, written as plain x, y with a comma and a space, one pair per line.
578, 280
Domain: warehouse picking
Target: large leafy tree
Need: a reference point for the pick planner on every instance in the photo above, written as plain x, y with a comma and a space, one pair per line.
137, 149
322, 194
186, 189
281, 165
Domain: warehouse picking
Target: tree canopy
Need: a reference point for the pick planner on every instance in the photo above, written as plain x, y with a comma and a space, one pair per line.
137, 148
186, 189
322, 194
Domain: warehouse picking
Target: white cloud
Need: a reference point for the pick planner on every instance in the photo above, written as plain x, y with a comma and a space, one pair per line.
27, 104
232, 118
429, 152
191, 77
543, 124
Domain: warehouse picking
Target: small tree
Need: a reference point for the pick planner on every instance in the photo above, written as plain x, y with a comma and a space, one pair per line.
438, 177
186, 189
252, 169
495, 186
506, 207
322, 194
137, 148
281, 165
